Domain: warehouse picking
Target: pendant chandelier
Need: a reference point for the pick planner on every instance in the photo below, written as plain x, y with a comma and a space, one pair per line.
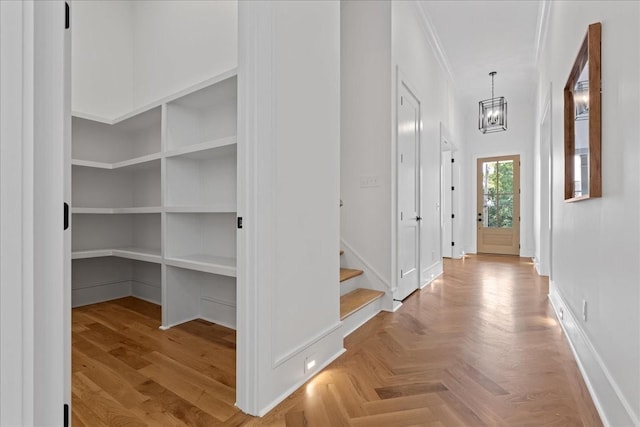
492, 113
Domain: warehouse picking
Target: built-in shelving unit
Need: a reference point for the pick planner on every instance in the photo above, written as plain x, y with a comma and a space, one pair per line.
154, 205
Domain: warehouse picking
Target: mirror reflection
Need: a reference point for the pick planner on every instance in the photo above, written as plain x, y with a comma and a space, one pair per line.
581, 133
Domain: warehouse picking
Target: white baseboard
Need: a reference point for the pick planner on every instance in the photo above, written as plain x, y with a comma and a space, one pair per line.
611, 404
146, 292
299, 384
218, 311
431, 273
100, 293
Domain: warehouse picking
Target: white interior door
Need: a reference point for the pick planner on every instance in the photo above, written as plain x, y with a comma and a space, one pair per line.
408, 193
447, 205
66, 148
34, 309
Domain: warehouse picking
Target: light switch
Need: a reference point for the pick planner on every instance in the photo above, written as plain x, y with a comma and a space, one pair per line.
369, 181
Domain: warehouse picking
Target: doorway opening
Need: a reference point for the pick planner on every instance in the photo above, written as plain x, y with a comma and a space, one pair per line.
498, 205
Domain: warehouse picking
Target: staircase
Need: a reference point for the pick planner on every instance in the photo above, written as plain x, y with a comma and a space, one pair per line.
357, 305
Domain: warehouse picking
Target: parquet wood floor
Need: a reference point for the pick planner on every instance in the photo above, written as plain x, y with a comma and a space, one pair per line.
480, 346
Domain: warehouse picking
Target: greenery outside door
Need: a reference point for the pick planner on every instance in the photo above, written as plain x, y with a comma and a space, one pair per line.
498, 212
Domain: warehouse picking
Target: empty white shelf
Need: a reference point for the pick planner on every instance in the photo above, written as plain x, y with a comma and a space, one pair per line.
217, 208
139, 254
132, 164
206, 263
93, 253
196, 148
91, 164
137, 210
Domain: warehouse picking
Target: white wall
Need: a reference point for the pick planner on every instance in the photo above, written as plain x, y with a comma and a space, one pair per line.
180, 43
417, 63
377, 37
127, 54
102, 57
289, 138
596, 242
365, 222
517, 139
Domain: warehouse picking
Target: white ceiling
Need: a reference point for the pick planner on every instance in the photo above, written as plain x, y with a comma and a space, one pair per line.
478, 37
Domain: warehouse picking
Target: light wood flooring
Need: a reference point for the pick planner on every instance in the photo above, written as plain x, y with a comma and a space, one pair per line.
480, 346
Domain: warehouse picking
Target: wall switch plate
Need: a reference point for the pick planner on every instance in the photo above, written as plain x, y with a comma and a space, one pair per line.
369, 181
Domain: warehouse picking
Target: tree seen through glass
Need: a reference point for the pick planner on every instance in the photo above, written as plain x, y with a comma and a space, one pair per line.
498, 194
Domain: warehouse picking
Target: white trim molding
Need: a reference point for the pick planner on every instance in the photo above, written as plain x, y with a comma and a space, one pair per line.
542, 27
432, 36
363, 264
611, 404
431, 273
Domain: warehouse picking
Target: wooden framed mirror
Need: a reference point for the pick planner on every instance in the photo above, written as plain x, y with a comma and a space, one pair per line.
583, 121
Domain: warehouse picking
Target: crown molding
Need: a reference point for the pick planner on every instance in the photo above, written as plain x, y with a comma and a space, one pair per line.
432, 36
542, 27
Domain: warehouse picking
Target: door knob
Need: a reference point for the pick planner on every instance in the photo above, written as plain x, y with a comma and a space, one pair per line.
418, 218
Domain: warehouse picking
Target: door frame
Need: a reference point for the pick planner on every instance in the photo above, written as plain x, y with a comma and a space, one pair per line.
451, 169
34, 313
543, 265
401, 80
476, 175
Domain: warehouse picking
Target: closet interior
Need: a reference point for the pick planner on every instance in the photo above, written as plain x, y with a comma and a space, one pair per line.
154, 205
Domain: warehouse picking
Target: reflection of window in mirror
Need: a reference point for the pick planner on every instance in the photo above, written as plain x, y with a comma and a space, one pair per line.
581, 94
581, 131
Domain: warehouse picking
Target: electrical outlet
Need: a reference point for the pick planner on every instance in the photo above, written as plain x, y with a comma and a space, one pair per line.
584, 310
369, 181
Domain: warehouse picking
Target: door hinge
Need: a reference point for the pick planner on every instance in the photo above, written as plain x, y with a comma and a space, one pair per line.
401, 100
453, 215
401, 158
401, 273
519, 246
66, 16
453, 243
66, 216
401, 216
518, 218
65, 419
239, 222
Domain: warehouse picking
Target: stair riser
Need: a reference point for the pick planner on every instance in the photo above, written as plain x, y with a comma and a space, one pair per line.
351, 285
360, 317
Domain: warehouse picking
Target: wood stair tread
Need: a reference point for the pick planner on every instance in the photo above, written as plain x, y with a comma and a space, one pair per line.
356, 299
349, 273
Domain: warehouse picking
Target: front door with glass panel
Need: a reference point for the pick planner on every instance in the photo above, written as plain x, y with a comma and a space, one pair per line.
498, 213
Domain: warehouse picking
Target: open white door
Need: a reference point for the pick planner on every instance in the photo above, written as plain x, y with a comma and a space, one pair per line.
447, 205
34, 256
408, 193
